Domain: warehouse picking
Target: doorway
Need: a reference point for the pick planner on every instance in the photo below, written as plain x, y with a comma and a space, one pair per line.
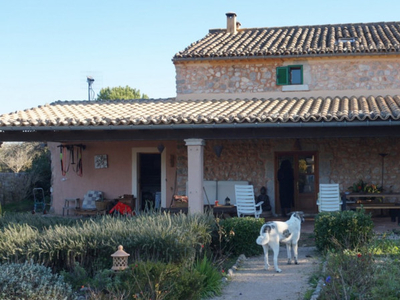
305, 183
142, 165
149, 180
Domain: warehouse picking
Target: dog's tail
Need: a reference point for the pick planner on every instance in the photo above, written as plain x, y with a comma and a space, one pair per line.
263, 239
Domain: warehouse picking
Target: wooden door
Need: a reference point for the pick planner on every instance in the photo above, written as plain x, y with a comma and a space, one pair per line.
305, 183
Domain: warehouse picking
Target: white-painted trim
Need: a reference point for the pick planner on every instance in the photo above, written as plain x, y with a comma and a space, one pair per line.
135, 152
295, 88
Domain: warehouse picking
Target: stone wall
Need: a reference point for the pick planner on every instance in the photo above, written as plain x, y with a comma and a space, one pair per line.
259, 77
342, 161
12, 187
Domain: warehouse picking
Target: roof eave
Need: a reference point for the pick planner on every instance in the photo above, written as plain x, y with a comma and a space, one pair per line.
366, 123
254, 57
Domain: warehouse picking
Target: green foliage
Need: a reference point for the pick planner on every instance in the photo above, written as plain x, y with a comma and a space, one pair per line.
149, 280
162, 237
34, 221
40, 172
345, 229
31, 281
238, 235
212, 278
120, 93
386, 284
349, 275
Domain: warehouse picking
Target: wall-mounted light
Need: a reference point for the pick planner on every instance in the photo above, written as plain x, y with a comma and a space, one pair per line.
297, 145
160, 148
218, 150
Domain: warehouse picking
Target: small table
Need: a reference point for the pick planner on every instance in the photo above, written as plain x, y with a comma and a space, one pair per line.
226, 211
357, 203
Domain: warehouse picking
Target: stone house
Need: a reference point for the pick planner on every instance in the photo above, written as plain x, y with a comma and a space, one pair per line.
324, 97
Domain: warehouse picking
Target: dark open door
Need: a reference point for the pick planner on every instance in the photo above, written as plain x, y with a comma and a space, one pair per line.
149, 170
305, 172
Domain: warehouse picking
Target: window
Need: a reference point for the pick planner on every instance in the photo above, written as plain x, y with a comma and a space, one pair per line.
289, 75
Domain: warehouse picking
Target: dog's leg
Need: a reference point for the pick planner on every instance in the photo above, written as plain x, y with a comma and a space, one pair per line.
289, 253
275, 248
295, 253
266, 264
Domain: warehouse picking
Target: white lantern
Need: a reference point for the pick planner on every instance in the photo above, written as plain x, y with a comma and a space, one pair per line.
120, 259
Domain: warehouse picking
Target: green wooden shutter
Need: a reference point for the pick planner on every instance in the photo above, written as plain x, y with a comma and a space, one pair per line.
282, 75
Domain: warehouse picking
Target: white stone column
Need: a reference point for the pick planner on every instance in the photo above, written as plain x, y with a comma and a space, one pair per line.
195, 174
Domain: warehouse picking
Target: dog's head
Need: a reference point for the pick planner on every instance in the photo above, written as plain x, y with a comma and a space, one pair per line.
299, 215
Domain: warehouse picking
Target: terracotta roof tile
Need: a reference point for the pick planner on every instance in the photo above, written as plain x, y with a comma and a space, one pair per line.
77, 114
363, 38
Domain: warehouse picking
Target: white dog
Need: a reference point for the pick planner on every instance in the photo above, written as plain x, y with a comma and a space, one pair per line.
288, 232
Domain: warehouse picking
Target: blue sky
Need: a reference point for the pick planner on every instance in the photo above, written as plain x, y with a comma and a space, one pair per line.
47, 48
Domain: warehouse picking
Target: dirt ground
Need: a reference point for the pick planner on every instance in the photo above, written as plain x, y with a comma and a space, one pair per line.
251, 281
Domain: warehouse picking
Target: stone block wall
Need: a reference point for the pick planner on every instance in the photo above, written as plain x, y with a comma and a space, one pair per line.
342, 161
260, 77
12, 187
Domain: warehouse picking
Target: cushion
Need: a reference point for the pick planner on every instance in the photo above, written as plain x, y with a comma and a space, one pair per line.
90, 198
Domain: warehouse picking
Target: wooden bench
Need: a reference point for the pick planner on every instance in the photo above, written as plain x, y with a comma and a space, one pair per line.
394, 208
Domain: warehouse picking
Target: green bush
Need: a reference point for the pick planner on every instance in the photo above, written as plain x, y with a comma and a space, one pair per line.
33, 282
163, 237
212, 278
238, 235
349, 275
149, 280
342, 230
34, 220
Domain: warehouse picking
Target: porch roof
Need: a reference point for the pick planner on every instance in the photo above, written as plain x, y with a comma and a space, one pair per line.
149, 113
298, 41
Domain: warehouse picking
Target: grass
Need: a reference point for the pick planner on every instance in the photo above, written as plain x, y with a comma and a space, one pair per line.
20, 206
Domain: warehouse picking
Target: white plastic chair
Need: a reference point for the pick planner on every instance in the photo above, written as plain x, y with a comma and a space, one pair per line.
329, 197
245, 202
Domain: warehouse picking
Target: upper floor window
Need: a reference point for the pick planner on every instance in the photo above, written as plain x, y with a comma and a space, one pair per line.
289, 75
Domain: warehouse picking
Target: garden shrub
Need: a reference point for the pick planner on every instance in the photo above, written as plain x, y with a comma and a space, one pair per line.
342, 229
349, 275
30, 281
163, 237
238, 235
150, 280
34, 220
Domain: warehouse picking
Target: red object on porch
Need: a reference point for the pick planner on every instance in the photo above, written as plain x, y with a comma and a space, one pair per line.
121, 208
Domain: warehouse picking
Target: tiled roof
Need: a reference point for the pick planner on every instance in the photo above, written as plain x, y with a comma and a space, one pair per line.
318, 40
78, 114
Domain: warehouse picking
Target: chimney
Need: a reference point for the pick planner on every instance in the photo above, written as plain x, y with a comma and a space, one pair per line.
231, 22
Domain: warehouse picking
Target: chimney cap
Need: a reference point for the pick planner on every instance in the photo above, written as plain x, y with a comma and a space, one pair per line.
231, 14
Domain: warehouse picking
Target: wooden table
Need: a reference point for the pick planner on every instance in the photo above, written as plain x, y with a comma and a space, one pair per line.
359, 202
220, 210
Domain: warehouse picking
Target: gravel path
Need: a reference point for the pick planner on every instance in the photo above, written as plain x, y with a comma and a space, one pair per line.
251, 281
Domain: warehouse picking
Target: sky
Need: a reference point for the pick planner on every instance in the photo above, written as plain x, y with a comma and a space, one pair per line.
48, 48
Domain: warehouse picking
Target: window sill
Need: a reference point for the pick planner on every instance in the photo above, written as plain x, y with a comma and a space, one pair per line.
295, 87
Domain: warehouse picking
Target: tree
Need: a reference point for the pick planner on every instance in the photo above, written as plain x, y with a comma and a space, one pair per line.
18, 156
32, 167
120, 93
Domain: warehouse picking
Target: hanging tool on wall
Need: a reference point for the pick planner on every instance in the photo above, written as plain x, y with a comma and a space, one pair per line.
63, 158
67, 158
79, 165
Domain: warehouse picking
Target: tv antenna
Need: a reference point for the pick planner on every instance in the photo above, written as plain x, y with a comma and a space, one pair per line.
90, 81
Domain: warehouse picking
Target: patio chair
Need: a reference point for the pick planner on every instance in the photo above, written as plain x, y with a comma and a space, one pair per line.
245, 201
88, 204
329, 197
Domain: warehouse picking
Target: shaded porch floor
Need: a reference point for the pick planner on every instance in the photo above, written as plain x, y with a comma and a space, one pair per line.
381, 224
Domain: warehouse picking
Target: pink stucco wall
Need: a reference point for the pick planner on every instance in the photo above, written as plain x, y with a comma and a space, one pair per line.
114, 181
